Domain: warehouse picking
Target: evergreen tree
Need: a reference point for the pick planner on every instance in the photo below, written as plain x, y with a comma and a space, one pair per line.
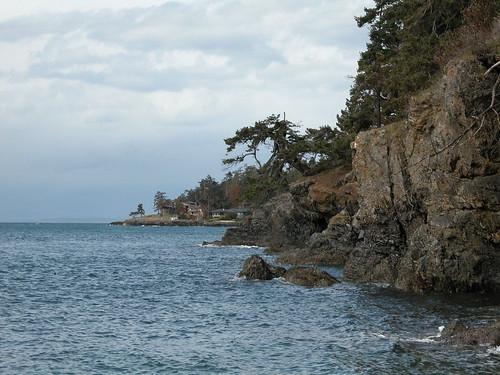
160, 199
280, 135
400, 58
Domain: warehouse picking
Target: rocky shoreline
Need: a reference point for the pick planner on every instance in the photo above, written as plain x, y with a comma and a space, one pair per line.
411, 212
456, 333
176, 223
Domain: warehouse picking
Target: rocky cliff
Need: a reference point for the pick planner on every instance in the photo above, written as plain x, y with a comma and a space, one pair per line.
290, 220
429, 215
420, 208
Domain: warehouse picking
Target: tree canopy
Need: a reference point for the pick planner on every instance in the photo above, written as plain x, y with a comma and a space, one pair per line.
159, 200
280, 135
402, 55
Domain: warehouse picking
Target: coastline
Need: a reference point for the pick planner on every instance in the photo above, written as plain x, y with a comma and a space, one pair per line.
176, 223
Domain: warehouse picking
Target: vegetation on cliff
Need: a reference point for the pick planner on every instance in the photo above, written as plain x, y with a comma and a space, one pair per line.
420, 208
411, 41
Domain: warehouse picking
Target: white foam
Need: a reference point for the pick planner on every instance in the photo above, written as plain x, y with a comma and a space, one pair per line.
232, 246
282, 281
427, 340
208, 245
238, 278
494, 350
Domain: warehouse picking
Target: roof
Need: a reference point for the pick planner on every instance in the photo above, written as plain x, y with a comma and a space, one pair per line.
190, 204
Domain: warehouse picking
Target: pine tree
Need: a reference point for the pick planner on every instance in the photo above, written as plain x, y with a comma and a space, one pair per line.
159, 200
400, 58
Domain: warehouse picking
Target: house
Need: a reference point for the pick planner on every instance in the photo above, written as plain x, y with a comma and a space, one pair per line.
192, 209
238, 212
167, 208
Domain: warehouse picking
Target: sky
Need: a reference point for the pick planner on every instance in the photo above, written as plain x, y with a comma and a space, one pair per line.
104, 102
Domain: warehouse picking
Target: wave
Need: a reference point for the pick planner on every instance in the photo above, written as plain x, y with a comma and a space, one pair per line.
425, 340
495, 350
237, 278
232, 246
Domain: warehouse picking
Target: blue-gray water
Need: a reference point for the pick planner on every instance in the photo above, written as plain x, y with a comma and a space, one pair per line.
96, 299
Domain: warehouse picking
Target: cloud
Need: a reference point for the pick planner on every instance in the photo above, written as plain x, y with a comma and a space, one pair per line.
101, 96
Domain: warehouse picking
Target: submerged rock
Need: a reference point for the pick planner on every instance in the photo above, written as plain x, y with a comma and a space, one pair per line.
457, 333
311, 277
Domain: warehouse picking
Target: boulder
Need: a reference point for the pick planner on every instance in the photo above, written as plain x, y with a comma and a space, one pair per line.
457, 333
256, 268
310, 277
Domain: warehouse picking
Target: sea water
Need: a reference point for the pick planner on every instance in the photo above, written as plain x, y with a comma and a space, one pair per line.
98, 299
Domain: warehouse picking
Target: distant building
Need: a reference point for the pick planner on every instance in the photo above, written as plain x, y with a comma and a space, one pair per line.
167, 208
192, 210
238, 212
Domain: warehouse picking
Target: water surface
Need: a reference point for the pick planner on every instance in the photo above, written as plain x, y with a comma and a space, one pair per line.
91, 298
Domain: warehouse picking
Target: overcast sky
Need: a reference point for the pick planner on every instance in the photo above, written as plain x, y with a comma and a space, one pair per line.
103, 102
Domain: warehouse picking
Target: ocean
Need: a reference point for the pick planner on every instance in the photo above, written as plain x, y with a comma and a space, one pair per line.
98, 299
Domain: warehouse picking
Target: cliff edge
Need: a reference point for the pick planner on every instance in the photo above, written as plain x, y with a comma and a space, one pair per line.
429, 207
420, 208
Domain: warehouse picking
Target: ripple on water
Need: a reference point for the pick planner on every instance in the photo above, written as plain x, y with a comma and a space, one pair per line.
101, 299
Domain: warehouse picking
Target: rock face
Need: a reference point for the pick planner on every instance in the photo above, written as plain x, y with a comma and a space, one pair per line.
281, 222
256, 268
289, 220
429, 216
310, 277
457, 333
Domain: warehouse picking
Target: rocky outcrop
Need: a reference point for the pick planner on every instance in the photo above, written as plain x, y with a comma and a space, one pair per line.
287, 222
282, 222
310, 277
256, 268
332, 246
457, 333
429, 215
421, 207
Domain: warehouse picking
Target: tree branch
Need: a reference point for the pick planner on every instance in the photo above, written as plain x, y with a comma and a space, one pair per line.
492, 67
